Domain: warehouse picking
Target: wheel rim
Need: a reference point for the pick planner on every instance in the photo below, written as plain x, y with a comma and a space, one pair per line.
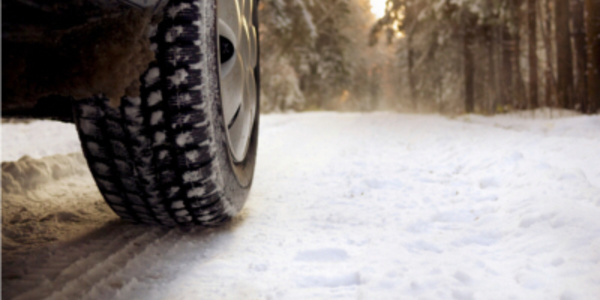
239, 57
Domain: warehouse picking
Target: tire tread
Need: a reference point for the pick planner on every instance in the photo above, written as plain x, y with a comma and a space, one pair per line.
155, 158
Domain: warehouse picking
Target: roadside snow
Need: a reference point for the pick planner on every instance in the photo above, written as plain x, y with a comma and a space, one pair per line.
37, 139
346, 206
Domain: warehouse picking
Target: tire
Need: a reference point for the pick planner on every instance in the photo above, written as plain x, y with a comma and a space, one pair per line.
174, 156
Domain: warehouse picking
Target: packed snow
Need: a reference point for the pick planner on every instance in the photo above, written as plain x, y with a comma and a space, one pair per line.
344, 206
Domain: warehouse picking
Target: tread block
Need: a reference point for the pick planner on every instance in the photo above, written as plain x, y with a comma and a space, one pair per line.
137, 132
133, 115
119, 150
114, 130
114, 199
107, 186
197, 176
135, 199
89, 128
86, 110
185, 219
154, 98
197, 158
129, 184
205, 201
182, 213
180, 56
124, 167
184, 119
131, 101
140, 209
185, 99
181, 33
160, 138
182, 78
182, 11
102, 169
167, 179
151, 77
185, 138
119, 208
96, 150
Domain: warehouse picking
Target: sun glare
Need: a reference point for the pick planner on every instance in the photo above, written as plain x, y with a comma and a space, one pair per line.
378, 8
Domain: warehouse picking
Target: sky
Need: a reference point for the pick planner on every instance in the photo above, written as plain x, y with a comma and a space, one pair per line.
378, 7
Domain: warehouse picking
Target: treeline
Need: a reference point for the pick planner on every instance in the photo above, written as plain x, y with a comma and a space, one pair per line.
492, 56
315, 56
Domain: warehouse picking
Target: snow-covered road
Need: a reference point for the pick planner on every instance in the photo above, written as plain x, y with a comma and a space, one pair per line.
344, 206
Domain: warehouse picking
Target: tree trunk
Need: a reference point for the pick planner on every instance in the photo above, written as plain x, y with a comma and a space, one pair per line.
592, 8
580, 55
520, 98
564, 54
550, 79
411, 75
507, 70
533, 59
492, 81
469, 64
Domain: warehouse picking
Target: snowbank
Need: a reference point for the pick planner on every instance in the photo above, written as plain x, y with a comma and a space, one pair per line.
37, 139
49, 199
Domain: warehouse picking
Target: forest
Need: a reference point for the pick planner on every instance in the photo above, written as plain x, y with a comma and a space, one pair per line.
430, 56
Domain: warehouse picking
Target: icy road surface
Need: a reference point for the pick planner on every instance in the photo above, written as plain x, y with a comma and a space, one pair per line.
344, 206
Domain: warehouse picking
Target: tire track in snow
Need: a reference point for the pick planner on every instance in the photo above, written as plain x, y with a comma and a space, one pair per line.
84, 262
111, 285
77, 286
102, 270
117, 282
114, 262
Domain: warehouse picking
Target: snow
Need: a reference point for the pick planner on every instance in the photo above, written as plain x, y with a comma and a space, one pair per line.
307, 18
378, 8
179, 77
37, 139
152, 76
344, 206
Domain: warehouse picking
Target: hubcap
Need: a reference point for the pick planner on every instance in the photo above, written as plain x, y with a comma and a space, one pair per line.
238, 50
